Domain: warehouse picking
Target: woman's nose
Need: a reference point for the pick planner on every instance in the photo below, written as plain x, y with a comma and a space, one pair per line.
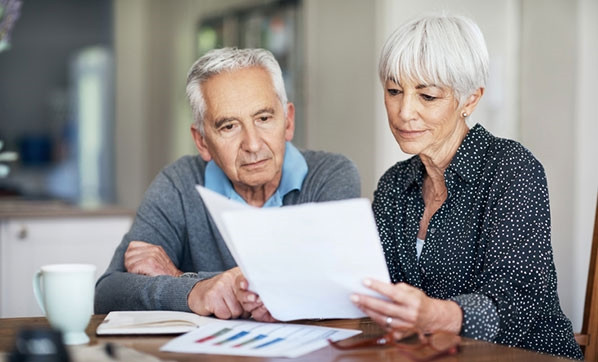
407, 110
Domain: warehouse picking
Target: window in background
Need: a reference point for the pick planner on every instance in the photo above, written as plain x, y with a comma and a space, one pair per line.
56, 102
276, 27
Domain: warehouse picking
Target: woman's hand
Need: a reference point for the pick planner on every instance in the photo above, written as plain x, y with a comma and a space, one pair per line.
408, 309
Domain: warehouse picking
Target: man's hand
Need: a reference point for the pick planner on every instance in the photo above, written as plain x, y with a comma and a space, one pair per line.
217, 296
149, 259
251, 302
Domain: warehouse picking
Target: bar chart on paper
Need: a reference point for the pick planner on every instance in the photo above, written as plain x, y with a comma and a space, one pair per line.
248, 338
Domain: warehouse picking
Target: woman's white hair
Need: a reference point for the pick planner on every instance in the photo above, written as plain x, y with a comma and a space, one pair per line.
222, 60
437, 49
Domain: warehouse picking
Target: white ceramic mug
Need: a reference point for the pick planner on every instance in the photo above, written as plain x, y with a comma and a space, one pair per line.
65, 294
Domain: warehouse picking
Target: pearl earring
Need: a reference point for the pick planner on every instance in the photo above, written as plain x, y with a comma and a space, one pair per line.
464, 114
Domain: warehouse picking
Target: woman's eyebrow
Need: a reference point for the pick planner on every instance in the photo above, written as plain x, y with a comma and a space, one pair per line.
422, 86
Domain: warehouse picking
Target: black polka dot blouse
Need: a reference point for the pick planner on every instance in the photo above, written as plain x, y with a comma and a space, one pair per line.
487, 248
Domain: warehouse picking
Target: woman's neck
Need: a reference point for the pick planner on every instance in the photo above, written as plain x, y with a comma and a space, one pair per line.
437, 160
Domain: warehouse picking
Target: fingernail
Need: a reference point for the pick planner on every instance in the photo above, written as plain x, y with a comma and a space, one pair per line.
354, 298
367, 282
251, 298
243, 285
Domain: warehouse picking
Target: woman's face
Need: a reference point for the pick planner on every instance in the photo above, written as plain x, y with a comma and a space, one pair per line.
424, 118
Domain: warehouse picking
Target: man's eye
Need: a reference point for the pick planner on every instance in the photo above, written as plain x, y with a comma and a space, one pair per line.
428, 98
227, 127
264, 118
392, 91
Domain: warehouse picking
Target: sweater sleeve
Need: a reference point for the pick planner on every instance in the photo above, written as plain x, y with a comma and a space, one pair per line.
160, 220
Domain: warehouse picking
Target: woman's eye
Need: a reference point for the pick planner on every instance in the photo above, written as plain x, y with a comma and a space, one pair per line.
428, 98
392, 91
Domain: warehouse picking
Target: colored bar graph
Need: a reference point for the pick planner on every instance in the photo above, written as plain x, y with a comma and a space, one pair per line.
232, 338
276, 340
212, 336
256, 338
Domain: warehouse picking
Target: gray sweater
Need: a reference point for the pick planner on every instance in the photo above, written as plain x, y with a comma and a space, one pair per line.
172, 215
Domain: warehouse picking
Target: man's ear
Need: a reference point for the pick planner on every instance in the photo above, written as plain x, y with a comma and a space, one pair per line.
289, 131
201, 145
472, 101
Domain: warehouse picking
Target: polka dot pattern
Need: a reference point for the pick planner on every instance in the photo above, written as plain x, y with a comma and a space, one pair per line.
487, 248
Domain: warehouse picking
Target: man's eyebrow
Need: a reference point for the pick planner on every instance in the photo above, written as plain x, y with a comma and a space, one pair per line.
219, 122
264, 110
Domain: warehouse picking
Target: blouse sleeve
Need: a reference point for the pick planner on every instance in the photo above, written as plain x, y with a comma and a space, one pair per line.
517, 281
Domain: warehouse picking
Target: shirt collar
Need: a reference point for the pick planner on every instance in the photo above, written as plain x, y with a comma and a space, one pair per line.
294, 170
466, 162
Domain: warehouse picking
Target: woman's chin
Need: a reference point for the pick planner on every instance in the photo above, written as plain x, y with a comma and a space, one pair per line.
410, 148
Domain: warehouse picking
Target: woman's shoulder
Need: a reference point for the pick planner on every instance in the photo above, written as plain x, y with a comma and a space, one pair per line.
509, 153
497, 151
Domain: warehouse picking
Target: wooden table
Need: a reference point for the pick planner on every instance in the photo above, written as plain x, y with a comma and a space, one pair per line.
470, 350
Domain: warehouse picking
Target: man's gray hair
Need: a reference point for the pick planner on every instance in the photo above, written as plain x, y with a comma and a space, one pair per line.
437, 49
222, 60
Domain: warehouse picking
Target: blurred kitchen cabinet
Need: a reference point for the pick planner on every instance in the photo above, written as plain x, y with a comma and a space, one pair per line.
28, 242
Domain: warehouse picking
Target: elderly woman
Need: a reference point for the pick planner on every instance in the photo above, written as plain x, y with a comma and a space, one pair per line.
465, 223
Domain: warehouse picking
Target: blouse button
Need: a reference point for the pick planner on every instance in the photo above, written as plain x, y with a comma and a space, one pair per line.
432, 230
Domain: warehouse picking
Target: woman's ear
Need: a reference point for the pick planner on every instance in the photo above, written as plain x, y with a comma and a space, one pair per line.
200, 144
472, 101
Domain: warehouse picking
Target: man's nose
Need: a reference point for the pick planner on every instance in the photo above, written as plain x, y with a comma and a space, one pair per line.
251, 139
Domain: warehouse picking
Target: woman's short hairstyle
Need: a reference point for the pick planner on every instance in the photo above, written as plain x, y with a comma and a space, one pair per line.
440, 49
222, 60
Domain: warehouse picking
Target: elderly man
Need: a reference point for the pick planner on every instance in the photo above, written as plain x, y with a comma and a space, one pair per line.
173, 258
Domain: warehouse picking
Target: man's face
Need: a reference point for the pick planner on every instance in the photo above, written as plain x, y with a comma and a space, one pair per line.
245, 128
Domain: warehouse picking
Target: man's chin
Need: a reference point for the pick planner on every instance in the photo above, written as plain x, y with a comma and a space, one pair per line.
257, 179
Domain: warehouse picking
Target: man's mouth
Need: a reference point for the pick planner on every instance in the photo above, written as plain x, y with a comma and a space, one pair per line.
253, 164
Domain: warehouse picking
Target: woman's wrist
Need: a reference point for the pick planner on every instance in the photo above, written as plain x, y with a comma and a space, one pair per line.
447, 316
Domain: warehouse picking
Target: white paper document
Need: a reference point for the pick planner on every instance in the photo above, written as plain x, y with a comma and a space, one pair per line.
249, 338
304, 261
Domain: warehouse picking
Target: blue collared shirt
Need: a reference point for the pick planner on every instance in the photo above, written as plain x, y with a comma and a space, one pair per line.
294, 170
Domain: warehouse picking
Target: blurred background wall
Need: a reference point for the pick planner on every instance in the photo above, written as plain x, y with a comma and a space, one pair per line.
541, 91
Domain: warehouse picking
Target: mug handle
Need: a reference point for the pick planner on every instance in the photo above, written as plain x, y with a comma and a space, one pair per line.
37, 290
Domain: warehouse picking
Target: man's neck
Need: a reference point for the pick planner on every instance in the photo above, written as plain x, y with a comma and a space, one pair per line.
257, 196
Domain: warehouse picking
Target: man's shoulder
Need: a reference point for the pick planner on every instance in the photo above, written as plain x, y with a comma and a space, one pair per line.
316, 158
330, 176
189, 167
180, 176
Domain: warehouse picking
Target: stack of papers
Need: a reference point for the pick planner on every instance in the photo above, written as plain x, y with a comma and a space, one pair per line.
216, 336
304, 261
248, 338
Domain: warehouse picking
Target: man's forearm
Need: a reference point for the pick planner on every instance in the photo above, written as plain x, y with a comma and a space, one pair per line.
127, 291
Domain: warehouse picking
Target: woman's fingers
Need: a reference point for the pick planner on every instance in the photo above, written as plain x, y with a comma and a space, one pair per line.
402, 310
